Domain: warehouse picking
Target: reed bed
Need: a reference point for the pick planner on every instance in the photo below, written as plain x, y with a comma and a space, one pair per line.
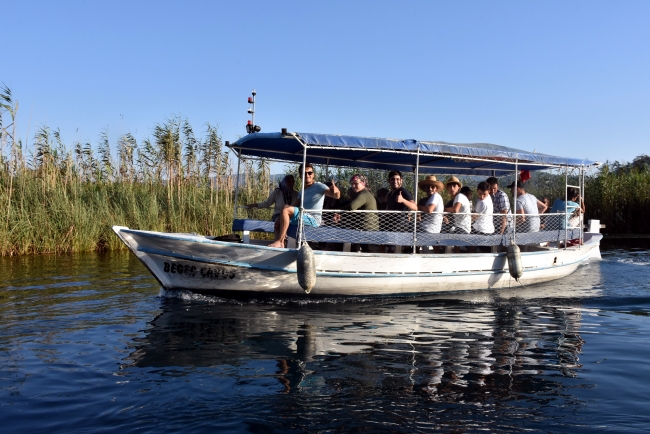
56, 198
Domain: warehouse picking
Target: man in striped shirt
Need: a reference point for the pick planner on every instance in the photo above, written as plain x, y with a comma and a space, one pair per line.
501, 204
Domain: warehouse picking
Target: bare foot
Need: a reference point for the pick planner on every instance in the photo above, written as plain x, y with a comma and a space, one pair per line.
277, 244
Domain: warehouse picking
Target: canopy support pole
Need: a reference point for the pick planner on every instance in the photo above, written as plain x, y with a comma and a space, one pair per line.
415, 197
566, 198
236, 186
581, 199
302, 194
514, 223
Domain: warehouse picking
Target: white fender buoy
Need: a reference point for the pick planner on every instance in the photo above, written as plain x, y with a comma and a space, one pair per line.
514, 262
306, 268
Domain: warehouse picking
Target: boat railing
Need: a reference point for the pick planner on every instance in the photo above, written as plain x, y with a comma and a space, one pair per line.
414, 228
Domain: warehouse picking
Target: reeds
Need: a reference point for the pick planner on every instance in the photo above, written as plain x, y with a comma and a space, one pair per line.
620, 199
55, 199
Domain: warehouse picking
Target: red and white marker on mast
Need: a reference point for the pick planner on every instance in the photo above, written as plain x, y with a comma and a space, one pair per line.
250, 126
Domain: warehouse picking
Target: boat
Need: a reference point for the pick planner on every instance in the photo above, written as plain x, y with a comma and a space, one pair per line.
435, 262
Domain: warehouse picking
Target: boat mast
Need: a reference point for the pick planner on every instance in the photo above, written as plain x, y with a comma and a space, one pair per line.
250, 126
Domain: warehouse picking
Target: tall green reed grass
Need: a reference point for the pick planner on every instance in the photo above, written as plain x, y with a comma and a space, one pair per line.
55, 198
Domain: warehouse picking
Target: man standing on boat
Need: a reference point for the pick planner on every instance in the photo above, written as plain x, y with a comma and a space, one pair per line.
529, 206
315, 193
500, 202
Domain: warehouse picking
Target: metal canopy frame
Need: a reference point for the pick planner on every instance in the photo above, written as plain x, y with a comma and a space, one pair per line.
361, 156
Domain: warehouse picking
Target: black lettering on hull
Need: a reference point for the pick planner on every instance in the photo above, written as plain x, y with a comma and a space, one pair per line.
189, 270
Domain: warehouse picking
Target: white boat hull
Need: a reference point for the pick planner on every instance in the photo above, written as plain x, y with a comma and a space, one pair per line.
191, 262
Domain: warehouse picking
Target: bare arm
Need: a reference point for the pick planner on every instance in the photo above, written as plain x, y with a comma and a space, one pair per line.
407, 203
267, 203
522, 218
333, 191
541, 206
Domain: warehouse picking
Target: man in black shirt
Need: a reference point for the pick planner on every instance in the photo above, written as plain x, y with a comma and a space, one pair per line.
396, 189
399, 199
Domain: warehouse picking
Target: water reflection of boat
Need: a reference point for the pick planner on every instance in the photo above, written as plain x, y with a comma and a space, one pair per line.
431, 344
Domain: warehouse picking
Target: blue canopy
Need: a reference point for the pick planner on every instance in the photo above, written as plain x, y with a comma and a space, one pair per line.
394, 154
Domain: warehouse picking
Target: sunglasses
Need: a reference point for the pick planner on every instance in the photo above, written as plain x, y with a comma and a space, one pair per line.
309, 173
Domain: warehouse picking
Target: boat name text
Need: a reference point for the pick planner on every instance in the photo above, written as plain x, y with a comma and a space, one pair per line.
204, 272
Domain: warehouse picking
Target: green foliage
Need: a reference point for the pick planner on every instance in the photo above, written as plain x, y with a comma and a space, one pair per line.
66, 201
620, 199
57, 200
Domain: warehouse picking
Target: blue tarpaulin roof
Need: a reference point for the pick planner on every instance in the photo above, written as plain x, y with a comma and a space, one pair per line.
395, 154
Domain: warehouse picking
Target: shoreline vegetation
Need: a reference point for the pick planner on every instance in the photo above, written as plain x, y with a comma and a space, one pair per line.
60, 199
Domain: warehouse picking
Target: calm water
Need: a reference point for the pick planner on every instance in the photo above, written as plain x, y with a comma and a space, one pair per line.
89, 343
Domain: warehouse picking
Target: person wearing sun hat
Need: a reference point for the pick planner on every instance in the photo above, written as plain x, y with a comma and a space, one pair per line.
460, 206
432, 205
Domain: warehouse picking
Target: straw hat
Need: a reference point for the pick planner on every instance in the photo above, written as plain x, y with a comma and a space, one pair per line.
453, 180
431, 180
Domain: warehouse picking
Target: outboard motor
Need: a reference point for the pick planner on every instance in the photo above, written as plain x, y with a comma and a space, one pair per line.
306, 267
514, 261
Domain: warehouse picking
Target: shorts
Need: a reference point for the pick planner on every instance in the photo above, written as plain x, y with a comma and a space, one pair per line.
307, 219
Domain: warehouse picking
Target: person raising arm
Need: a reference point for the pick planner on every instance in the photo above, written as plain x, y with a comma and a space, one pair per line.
315, 193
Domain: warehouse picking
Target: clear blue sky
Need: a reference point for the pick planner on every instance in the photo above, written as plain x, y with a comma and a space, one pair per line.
568, 78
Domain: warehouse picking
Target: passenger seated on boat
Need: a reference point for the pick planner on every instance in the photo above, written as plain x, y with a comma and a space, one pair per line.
500, 202
431, 206
528, 206
483, 222
283, 195
315, 193
462, 222
381, 197
468, 194
399, 198
570, 206
361, 198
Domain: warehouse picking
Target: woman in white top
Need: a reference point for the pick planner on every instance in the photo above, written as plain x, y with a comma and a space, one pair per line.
432, 205
483, 223
283, 195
